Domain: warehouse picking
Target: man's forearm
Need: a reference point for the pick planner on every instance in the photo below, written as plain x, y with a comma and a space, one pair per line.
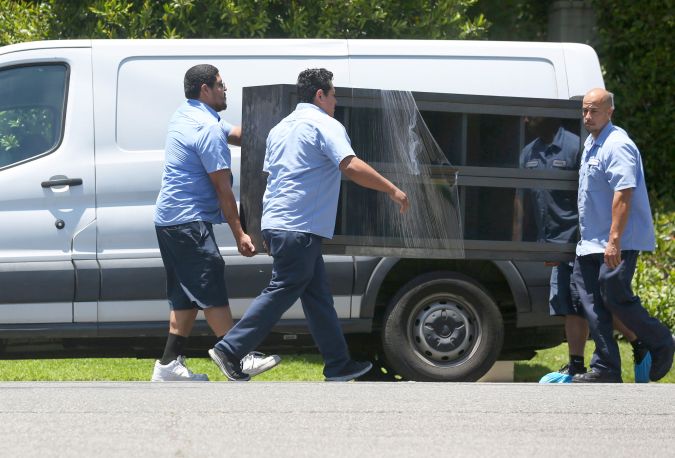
228, 205
234, 137
226, 201
364, 175
620, 210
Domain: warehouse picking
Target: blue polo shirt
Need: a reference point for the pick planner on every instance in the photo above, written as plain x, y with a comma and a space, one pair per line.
611, 163
303, 158
555, 210
196, 145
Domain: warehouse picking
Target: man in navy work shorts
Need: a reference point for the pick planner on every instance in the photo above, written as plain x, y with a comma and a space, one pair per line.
196, 193
305, 154
554, 217
615, 224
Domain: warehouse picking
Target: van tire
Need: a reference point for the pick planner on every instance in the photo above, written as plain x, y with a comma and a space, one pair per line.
442, 326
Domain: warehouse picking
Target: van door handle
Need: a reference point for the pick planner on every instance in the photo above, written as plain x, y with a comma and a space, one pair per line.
62, 182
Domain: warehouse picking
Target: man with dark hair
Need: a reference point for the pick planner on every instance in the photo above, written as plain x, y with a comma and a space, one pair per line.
615, 223
305, 154
310, 81
198, 75
196, 193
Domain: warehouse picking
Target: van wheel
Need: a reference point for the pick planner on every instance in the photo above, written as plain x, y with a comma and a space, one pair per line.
442, 326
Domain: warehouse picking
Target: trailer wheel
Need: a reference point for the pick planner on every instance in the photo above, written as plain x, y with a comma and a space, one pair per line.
442, 326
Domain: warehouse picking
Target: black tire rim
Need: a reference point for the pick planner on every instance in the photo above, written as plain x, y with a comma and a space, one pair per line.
444, 331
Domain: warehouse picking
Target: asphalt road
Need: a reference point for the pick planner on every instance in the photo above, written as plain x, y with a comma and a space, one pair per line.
335, 419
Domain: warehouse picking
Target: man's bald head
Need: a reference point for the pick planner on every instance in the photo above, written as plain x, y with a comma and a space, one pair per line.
601, 96
597, 109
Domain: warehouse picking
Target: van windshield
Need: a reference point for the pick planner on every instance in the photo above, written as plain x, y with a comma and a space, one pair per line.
32, 106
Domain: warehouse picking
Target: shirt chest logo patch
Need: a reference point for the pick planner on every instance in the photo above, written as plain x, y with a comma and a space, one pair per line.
559, 163
532, 164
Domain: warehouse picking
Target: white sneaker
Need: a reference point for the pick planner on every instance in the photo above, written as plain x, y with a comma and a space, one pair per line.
176, 371
256, 363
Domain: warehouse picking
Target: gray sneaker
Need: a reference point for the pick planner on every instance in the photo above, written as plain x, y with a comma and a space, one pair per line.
256, 363
353, 369
229, 367
176, 371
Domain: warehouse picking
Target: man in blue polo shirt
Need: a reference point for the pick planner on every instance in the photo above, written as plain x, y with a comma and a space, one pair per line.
305, 154
196, 193
615, 224
556, 220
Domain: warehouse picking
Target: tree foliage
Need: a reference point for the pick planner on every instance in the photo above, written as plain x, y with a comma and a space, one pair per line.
436, 19
522, 20
634, 45
636, 51
655, 275
24, 21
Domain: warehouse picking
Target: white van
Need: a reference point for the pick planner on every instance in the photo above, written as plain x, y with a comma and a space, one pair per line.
82, 130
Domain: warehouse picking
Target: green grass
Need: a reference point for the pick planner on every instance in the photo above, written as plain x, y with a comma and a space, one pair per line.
554, 358
293, 368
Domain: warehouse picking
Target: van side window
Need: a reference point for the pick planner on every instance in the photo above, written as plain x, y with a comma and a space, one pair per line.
32, 109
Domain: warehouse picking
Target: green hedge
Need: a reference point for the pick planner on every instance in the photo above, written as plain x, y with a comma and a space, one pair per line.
433, 19
24, 21
654, 279
636, 52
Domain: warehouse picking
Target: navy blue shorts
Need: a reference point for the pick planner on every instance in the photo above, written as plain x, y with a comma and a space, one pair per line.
564, 297
195, 270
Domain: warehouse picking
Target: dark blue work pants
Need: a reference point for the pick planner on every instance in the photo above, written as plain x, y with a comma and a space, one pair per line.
298, 272
605, 292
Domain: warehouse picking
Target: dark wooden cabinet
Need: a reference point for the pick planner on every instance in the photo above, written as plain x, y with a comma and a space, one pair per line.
473, 194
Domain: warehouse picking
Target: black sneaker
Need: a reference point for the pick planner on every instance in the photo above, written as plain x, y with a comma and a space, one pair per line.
596, 377
570, 369
662, 361
230, 368
564, 374
353, 369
